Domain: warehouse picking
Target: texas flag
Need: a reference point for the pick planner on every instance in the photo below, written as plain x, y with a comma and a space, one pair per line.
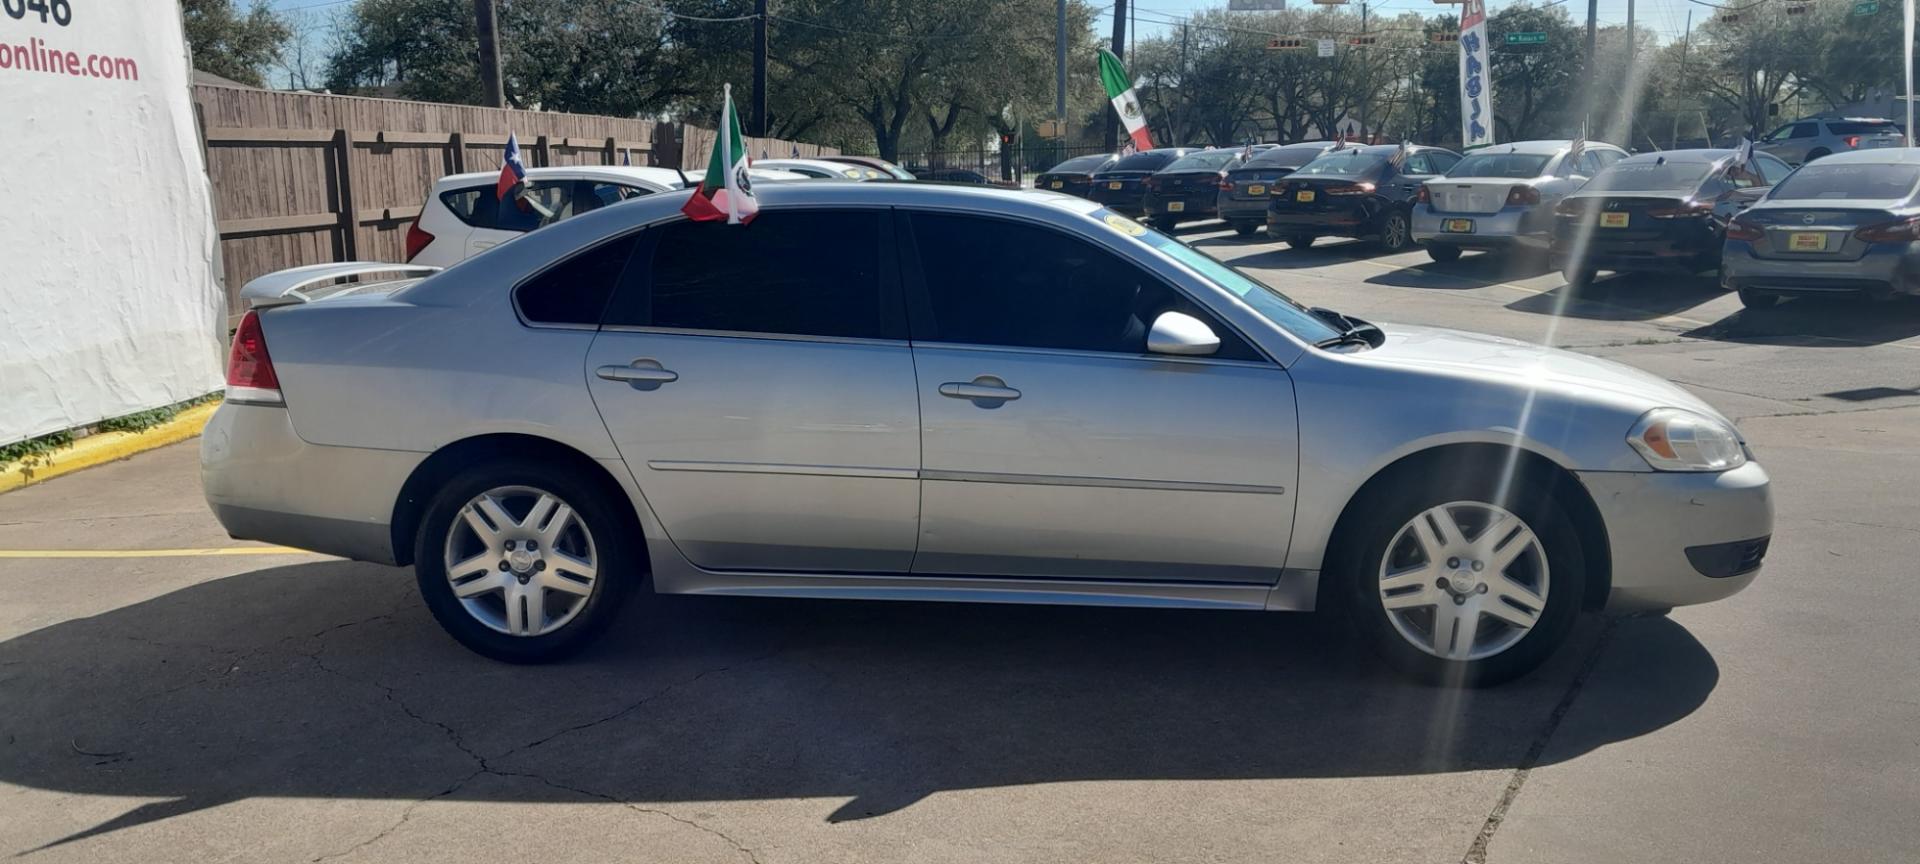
512, 170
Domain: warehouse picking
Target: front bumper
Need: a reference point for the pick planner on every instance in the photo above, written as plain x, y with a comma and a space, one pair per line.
1508, 228
265, 483
1665, 528
1885, 270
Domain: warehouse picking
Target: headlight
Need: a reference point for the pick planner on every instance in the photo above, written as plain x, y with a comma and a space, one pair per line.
1672, 439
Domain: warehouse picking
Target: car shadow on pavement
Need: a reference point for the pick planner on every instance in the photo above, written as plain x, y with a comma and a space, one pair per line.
1470, 272
1623, 297
1288, 258
1819, 322
329, 680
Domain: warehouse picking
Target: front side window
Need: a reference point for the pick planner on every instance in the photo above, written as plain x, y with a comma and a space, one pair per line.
1805, 130
788, 272
1041, 288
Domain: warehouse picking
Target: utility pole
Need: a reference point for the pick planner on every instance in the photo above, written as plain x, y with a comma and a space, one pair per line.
1686, 41
1183, 83
1366, 95
758, 125
493, 92
1119, 42
1060, 65
1593, 16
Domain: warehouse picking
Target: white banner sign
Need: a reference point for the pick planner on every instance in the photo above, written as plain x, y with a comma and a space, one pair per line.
109, 304
1326, 47
1476, 79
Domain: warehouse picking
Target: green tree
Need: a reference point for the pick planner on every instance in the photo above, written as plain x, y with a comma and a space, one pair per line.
234, 45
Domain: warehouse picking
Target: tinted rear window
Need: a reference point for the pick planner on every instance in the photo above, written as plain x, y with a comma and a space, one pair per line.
1829, 182
1519, 166
1080, 164
1343, 163
1210, 160
1144, 162
1864, 127
1285, 157
1650, 176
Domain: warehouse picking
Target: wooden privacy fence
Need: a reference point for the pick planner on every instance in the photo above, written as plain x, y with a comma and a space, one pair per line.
303, 178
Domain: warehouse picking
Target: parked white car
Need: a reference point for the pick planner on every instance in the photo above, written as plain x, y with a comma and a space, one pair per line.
463, 216
821, 169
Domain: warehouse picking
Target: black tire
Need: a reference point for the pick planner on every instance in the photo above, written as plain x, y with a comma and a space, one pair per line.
1815, 154
1396, 234
1757, 299
1300, 241
1578, 277
1166, 224
1246, 229
1444, 254
1393, 505
613, 536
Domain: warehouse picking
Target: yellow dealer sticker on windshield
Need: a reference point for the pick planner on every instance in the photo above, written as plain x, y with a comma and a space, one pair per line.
1125, 225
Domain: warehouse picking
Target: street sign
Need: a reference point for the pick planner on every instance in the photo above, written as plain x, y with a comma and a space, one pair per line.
1444, 38
1256, 5
1869, 7
1532, 38
1326, 47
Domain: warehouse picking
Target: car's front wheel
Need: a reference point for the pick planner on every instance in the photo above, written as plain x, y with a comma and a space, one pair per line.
524, 562
1394, 234
1444, 254
1465, 580
1758, 299
1166, 223
1246, 229
1300, 241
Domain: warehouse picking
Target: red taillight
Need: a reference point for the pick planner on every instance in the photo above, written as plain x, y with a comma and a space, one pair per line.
1740, 229
1521, 195
250, 376
1361, 188
1684, 209
1898, 231
417, 239
1423, 196
1853, 140
1226, 185
1152, 183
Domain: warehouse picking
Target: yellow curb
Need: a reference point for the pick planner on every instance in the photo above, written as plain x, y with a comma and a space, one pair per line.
152, 553
109, 447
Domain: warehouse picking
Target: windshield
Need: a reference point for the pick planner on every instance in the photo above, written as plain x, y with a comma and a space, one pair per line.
1823, 181
1342, 163
1285, 157
1143, 162
1080, 164
1517, 166
1650, 176
1283, 311
1206, 160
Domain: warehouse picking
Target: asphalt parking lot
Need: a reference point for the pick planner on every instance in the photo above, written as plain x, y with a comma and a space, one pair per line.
167, 694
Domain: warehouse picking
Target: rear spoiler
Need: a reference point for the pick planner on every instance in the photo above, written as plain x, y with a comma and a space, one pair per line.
290, 286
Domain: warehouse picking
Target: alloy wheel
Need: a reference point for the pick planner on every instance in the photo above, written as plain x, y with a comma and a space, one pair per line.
1395, 233
521, 560
1464, 580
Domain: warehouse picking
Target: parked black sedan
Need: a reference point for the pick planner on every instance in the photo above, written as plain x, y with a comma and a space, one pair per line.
1074, 176
1663, 212
1243, 198
1189, 189
1364, 192
1123, 185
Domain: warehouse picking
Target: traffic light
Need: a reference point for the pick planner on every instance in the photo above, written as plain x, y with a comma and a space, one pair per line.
1362, 41
1286, 44
1442, 38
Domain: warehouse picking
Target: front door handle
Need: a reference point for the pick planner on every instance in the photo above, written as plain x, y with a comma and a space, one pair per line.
985, 388
643, 374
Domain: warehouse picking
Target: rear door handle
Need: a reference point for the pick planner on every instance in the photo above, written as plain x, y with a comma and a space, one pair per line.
985, 388
643, 374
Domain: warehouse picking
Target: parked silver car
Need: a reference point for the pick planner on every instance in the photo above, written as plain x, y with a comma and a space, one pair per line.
1849, 224
976, 395
1501, 198
1803, 141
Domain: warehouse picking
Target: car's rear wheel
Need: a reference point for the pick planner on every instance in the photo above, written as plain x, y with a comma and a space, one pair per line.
1815, 154
1300, 241
1465, 581
1758, 299
524, 562
1444, 254
1578, 277
1166, 223
1246, 229
1394, 235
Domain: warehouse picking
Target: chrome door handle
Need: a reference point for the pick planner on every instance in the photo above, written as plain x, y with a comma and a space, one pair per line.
985, 388
643, 374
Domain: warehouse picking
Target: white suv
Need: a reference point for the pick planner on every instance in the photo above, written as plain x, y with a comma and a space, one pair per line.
462, 215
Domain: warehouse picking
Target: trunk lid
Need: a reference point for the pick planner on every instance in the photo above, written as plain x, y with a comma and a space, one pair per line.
1321, 193
1615, 218
1470, 195
1246, 180
1814, 233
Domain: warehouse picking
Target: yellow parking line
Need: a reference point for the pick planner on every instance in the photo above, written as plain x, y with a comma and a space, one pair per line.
152, 553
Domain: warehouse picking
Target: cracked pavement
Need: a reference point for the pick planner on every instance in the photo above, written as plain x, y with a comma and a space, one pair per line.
302, 709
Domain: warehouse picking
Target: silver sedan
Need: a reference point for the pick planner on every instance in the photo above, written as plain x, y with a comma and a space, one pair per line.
1848, 224
898, 391
1501, 198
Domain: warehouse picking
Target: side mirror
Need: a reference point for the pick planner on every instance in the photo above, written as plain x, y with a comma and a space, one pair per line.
1180, 333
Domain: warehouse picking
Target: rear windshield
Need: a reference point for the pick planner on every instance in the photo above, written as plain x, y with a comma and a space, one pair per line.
1144, 162
1081, 164
1829, 182
1519, 166
1205, 160
1863, 127
1650, 176
1342, 163
1285, 157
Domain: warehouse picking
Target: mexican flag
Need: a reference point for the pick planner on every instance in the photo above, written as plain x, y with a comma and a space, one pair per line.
1119, 86
725, 192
